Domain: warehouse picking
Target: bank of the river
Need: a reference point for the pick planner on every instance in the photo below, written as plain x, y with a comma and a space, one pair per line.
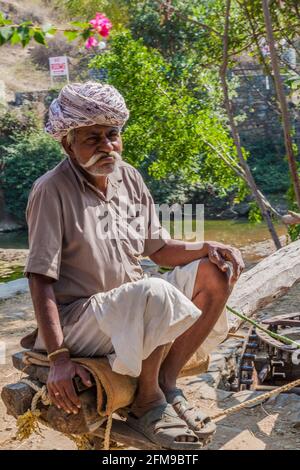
12, 262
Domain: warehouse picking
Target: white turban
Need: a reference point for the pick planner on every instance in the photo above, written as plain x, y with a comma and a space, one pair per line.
85, 104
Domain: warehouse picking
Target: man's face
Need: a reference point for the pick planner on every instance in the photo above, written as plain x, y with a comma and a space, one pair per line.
95, 148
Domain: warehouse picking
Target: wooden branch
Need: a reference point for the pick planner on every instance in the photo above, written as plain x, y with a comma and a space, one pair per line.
235, 133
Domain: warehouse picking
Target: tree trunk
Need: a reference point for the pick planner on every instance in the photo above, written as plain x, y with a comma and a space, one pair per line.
235, 133
282, 101
2, 212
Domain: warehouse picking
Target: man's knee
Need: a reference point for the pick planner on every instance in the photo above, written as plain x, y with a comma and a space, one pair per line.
158, 288
210, 278
156, 285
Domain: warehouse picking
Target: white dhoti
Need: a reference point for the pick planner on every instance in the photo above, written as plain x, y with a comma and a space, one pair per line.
128, 323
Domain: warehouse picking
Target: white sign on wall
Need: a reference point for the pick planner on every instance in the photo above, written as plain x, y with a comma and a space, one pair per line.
59, 66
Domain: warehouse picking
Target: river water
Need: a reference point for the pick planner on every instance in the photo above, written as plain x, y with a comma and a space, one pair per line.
234, 232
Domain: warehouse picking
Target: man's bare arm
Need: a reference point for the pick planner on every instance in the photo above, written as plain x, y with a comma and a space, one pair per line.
178, 253
46, 311
62, 369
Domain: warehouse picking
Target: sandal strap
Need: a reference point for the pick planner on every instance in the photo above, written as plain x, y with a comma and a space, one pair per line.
178, 400
163, 413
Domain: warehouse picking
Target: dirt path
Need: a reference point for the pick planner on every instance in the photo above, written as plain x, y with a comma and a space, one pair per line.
268, 426
16, 319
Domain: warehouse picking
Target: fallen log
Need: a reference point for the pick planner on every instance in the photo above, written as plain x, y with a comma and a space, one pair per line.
18, 398
270, 279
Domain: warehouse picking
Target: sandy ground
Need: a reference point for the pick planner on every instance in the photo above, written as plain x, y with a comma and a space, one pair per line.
263, 427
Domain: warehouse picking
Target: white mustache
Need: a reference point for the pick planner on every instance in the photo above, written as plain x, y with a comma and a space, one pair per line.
97, 157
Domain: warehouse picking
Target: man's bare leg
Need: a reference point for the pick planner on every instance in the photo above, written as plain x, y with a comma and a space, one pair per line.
149, 393
211, 292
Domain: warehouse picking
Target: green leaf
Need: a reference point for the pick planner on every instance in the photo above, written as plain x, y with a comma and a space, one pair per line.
26, 23
25, 41
71, 35
6, 32
86, 33
16, 38
24, 33
79, 24
52, 31
3, 20
39, 37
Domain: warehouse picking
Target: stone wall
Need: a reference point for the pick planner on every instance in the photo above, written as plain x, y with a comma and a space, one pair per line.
256, 100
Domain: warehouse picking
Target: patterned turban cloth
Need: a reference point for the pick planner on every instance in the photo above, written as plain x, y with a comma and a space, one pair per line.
85, 104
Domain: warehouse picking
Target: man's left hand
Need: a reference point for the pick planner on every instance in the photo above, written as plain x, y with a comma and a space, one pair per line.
220, 255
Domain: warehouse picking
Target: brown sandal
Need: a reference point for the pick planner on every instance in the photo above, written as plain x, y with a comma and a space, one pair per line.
199, 422
161, 425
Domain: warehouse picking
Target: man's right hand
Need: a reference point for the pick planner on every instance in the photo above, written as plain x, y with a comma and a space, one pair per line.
60, 384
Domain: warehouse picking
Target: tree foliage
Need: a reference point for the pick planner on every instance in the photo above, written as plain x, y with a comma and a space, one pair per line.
24, 160
170, 128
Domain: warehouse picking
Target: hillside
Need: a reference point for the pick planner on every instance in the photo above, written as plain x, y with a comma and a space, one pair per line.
18, 71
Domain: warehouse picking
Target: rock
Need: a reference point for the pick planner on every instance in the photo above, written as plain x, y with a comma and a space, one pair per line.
217, 362
290, 401
9, 226
242, 209
296, 420
244, 395
12, 288
211, 378
228, 214
207, 392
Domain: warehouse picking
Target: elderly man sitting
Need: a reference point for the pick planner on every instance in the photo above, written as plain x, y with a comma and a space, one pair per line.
90, 295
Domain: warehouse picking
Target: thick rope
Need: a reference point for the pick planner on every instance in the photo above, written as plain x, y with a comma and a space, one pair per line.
258, 399
107, 433
41, 394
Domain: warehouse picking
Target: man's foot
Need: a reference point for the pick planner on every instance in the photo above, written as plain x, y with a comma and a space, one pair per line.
163, 427
144, 404
199, 422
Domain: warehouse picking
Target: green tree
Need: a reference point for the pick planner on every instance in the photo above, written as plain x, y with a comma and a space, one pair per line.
23, 161
169, 128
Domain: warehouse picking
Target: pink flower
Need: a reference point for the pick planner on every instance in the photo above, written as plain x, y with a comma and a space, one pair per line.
91, 42
105, 30
98, 18
101, 24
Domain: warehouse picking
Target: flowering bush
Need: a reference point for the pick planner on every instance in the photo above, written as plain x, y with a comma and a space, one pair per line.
102, 26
